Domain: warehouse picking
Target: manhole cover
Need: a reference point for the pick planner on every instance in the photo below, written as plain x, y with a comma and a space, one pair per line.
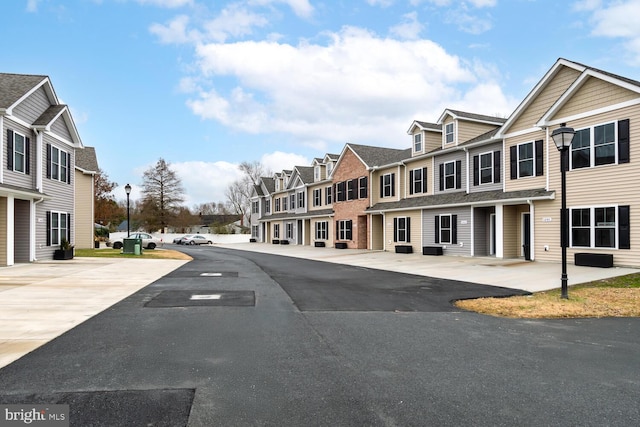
203, 298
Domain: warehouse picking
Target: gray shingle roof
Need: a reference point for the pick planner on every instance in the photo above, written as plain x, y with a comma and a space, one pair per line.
49, 114
292, 215
269, 183
460, 199
14, 86
379, 156
474, 116
86, 159
427, 125
306, 173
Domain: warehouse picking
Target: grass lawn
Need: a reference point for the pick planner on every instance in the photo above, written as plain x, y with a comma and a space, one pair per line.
146, 254
615, 297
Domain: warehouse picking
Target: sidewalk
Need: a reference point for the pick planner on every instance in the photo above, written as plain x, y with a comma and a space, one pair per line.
42, 300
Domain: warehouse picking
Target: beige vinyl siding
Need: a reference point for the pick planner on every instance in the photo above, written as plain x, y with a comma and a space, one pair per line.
594, 94
530, 182
375, 184
606, 185
377, 232
83, 221
401, 182
432, 141
511, 229
415, 236
543, 101
330, 230
3, 231
419, 164
32, 108
468, 130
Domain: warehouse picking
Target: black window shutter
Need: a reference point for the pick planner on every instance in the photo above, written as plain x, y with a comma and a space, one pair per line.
356, 190
9, 149
539, 160
458, 173
513, 162
393, 184
27, 155
454, 229
349, 225
623, 141
624, 231
68, 168
424, 179
382, 186
395, 229
476, 170
69, 228
497, 159
408, 228
337, 230
48, 160
48, 228
437, 228
411, 183
441, 173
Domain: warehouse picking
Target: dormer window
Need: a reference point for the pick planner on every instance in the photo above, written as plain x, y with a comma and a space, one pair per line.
329, 168
448, 133
417, 143
277, 185
316, 173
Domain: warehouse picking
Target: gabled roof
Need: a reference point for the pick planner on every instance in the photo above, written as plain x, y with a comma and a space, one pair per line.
305, 173
376, 156
456, 114
15, 87
86, 160
434, 127
268, 184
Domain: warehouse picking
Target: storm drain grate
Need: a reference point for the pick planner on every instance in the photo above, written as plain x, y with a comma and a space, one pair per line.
203, 298
159, 407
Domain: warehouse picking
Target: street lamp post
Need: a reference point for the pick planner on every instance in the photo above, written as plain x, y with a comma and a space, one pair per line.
127, 189
562, 137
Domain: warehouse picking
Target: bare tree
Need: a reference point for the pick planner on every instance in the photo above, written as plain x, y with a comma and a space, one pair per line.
162, 195
106, 209
239, 192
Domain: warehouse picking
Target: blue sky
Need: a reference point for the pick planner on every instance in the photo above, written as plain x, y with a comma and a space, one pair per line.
209, 84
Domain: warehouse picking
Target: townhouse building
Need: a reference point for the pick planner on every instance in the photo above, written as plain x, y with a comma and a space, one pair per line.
478, 185
37, 163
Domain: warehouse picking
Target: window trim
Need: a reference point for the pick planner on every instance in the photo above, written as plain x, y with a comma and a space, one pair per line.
593, 226
592, 146
452, 175
413, 182
317, 197
51, 241
491, 167
276, 231
301, 198
405, 228
344, 229
387, 186
363, 183
328, 195
14, 152
449, 133
417, 143
322, 230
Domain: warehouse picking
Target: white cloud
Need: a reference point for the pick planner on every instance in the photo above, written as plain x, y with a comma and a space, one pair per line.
175, 32
205, 182
381, 3
277, 161
170, 4
619, 20
32, 5
301, 8
234, 20
409, 29
358, 87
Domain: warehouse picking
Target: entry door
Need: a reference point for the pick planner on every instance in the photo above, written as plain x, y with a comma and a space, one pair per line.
526, 236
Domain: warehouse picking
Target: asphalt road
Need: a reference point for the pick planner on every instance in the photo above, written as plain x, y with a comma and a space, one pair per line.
237, 338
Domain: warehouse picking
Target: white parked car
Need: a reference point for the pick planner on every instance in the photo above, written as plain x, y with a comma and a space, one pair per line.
195, 239
148, 241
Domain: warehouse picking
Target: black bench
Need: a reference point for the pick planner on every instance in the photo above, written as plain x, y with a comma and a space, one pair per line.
593, 260
284, 242
275, 241
404, 249
319, 244
252, 240
341, 245
432, 250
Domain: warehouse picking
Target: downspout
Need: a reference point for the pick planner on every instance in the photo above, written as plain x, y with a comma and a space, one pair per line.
467, 160
547, 155
33, 221
532, 253
39, 162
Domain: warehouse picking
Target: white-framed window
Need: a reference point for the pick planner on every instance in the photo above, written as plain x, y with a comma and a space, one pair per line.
446, 232
277, 206
363, 184
316, 173
317, 197
329, 168
594, 146
449, 175
301, 200
328, 191
341, 194
418, 181
322, 228
417, 143
526, 160
267, 206
59, 164
401, 230
276, 231
289, 230
58, 227
594, 227
350, 189
285, 203
18, 152
255, 231
255, 207
387, 184
277, 184
449, 133
344, 229
486, 168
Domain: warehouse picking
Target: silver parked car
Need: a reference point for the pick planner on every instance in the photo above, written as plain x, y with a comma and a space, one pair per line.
148, 241
195, 239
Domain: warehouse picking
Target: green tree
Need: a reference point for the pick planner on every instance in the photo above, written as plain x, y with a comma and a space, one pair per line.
162, 195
